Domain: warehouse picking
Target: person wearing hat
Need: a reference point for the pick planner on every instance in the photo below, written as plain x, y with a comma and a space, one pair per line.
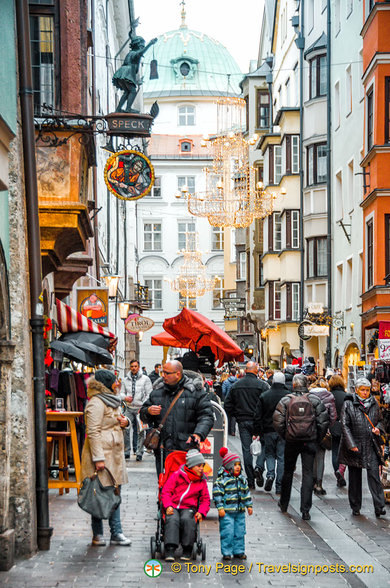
231, 497
103, 446
361, 427
186, 500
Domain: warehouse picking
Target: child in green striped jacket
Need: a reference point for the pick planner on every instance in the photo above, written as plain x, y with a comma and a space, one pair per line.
231, 497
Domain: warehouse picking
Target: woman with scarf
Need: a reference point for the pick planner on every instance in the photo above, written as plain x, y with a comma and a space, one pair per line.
103, 446
361, 427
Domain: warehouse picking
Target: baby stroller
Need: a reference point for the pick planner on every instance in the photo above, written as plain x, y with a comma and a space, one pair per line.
173, 462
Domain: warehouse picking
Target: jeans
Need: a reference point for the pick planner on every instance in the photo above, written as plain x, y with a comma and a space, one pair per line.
114, 523
246, 433
319, 464
307, 450
335, 451
374, 485
138, 436
232, 533
274, 450
180, 527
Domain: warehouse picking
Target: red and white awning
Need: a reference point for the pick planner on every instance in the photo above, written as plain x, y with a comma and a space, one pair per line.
71, 321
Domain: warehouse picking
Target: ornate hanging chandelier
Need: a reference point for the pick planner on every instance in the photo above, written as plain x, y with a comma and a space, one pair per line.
192, 280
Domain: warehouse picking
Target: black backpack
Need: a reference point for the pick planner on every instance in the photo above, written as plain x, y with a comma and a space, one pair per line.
300, 419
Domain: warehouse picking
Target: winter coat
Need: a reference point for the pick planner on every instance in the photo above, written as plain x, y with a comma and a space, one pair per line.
242, 399
153, 376
356, 431
192, 413
266, 407
339, 397
322, 417
327, 400
180, 492
288, 375
104, 440
143, 388
226, 386
230, 492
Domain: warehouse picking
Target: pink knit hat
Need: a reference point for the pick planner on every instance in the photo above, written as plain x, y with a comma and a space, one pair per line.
228, 459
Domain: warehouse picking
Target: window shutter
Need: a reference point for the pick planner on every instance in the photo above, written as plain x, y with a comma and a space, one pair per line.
288, 155
271, 164
288, 230
289, 302
270, 301
271, 232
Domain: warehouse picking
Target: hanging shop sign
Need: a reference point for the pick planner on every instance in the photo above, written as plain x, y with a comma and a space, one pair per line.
316, 330
129, 124
129, 174
135, 323
93, 304
315, 308
384, 349
384, 330
301, 331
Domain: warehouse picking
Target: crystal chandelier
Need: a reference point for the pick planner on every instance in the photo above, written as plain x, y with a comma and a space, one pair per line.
192, 280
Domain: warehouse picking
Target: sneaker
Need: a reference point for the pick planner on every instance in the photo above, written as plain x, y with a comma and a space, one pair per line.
127, 455
380, 512
259, 477
268, 484
138, 458
282, 508
119, 539
186, 555
170, 555
306, 516
98, 541
227, 557
240, 555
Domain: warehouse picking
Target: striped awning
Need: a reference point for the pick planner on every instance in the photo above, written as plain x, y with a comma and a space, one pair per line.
71, 321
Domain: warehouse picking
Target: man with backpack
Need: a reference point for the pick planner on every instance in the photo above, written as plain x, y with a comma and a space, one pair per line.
301, 420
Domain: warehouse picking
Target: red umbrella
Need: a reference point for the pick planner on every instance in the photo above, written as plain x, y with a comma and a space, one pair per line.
166, 340
196, 331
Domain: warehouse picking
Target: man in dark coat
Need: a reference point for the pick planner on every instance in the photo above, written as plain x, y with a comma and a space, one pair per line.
155, 374
289, 372
241, 403
337, 387
264, 427
192, 414
357, 449
307, 449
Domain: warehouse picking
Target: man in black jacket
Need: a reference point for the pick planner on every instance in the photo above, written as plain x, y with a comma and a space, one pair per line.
241, 403
274, 444
306, 448
155, 374
192, 414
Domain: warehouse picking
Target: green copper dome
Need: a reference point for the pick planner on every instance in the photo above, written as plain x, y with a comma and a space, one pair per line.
190, 64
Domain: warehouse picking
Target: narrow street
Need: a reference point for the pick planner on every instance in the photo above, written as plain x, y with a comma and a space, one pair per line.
332, 538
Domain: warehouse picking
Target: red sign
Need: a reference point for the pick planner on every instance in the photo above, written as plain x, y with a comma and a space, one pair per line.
384, 330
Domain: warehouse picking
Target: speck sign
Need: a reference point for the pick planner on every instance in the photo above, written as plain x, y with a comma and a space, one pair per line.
135, 323
384, 349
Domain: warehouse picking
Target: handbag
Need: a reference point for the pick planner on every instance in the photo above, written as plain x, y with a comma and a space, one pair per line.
152, 438
326, 442
98, 500
377, 443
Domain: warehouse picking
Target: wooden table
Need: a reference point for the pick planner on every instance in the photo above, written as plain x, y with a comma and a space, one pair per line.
68, 417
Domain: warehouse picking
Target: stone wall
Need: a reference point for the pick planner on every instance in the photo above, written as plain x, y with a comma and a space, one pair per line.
22, 515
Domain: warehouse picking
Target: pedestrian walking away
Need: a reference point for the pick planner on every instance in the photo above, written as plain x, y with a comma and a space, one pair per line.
302, 420
226, 386
137, 390
186, 500
337, 387
104, 446
241, 403
231, 497
264, 427
361, 427
156, 373
190, 419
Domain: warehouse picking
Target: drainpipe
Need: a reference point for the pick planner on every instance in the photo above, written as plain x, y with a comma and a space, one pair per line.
329, 182
44, 531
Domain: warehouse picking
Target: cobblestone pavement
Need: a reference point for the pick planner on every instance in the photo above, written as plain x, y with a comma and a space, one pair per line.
333, 538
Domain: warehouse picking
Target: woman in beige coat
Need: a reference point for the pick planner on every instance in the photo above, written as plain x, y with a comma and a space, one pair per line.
103, 446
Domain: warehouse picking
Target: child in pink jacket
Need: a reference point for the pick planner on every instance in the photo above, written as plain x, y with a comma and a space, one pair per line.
186, 500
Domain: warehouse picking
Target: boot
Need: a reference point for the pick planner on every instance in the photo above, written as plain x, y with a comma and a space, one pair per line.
321, 491
316, 488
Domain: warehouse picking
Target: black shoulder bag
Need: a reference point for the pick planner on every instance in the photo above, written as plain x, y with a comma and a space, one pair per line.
152, 438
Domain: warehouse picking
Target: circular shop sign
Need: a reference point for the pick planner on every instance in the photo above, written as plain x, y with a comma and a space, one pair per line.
129, 174
301, 330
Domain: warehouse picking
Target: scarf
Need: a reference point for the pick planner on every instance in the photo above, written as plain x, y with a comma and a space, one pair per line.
192, 476
110, 399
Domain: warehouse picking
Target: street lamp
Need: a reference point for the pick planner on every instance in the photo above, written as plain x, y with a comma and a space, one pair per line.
112, 285
124, 308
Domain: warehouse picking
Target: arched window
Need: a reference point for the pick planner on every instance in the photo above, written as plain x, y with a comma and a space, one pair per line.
186, 116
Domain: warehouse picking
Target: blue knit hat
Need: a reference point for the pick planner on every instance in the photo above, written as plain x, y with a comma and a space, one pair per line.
105, 377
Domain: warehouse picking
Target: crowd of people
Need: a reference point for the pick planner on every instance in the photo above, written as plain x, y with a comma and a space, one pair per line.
279, 415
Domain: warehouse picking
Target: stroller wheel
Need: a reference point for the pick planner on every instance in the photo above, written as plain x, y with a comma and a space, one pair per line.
162, 550
153, 547
194, 551
204, 552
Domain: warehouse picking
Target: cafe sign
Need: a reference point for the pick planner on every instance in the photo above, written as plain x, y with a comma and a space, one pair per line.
135, 323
